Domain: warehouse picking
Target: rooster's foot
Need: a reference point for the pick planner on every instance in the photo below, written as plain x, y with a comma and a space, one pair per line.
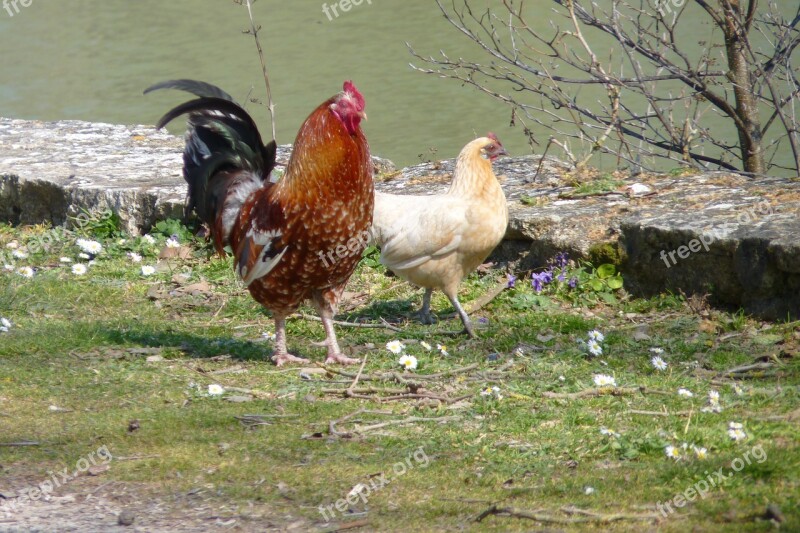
338, 358
283, 358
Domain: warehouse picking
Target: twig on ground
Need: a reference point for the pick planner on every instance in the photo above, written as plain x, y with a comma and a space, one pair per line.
348, 526
360, 370
586, 516
370, 325
747, 371
603, 391
135, 457
251, 421
476, 305
20, 444
656, 413
409, 420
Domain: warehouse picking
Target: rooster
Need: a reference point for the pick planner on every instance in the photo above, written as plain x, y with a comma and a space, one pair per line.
435, 241
280, 231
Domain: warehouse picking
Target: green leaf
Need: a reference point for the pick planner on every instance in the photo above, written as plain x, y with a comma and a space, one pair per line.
596, 285
608, 298
615, 282
606, 271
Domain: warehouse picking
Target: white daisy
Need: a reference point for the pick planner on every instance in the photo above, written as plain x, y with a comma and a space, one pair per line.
425, 345
594, 347
148, 270
26, 272
736, 432
737, 389
609, 432
268, 335
83, 255
686, 393
713, 397
136, 258
215, 390
6, 323
8, 268
588, 491
700, 453
658, 363
90, 247
149, 239
562, 378
19, 254
673, 452
79, 269
409, 362
595, 335
13, 245
492, 391
65, 260
442, 349
395, 346
173, 243
603, 380
656, 351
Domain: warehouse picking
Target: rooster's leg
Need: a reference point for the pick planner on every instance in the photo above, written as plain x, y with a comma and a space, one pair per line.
281, 356
425, 313
325, 302
463, 314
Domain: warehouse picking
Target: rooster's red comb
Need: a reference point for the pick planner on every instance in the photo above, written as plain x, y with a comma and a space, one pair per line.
493, 137
354, 93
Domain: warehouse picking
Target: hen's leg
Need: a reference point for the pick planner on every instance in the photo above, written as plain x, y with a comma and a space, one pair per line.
463, 315
325, 303
425, 313
281, 356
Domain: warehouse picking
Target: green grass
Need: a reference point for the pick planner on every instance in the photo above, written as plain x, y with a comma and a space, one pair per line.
74, 373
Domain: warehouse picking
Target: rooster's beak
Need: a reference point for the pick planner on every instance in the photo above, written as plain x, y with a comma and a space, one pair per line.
363, 115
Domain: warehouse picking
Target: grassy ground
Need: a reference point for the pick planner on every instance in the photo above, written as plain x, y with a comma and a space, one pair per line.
119, 361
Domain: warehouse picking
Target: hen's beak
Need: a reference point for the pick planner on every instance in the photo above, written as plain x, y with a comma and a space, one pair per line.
363, 115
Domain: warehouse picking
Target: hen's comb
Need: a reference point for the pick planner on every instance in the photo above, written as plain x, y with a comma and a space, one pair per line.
351, 90
493, 137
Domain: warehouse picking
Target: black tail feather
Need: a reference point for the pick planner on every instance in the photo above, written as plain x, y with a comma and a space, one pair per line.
222, 143
197, 88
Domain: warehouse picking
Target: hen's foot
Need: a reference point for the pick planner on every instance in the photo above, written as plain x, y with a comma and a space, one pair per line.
338, 358
425, 318
283, 358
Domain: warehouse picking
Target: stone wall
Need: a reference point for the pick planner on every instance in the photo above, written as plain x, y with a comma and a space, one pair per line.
734, 238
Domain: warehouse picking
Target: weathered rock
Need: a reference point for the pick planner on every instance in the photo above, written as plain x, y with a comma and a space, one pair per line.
744, 234
50, 171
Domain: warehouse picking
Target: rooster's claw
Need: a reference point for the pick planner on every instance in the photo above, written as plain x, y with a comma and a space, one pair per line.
341, 359
282, 358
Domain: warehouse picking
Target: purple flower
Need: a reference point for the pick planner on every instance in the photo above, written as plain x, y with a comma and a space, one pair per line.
562, 276
483, 320
573, 282
538, 281
561, 259
512, 281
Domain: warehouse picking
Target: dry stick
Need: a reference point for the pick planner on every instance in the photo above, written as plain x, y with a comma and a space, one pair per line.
360, 370
656, 413
254, 32
332, 424
409, 420
342, 323
736, 372
484, 300
19, 444
347, 526
604, 391
544, 518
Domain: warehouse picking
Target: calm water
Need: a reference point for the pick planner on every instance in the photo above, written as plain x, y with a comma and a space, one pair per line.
90, 60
